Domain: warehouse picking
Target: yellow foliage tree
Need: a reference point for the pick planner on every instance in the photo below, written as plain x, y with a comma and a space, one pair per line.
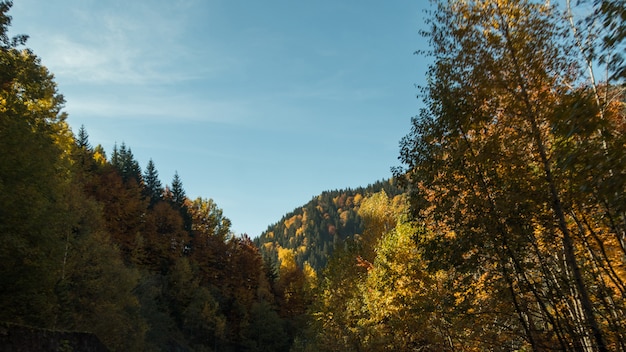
517, 171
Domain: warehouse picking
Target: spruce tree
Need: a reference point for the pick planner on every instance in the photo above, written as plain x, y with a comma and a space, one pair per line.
152, 185
82, 139
124, 161
178, 193
115, 157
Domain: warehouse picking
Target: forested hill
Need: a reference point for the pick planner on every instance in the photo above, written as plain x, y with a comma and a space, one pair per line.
314, 229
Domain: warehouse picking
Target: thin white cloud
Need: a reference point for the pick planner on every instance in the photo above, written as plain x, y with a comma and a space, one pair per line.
138, 61
160, 107
134, 44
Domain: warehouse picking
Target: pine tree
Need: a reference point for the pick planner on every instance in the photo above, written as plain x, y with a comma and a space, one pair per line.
177, 191
116, 161
152, 184
82, 140
177, 196
124, 161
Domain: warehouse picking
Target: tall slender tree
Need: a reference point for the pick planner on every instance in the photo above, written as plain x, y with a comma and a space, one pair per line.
178, 194
152, 184
499, 165
82, 139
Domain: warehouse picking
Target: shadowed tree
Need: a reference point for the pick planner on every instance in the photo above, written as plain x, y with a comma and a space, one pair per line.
124, 161
33, 181
152, 184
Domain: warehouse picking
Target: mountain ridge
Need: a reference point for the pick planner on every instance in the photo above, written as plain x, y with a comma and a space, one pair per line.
313, 230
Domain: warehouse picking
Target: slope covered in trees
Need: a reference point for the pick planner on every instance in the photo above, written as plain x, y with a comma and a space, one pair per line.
312, 231
93, 243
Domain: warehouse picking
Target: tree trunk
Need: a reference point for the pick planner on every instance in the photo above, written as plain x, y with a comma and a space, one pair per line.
557, 207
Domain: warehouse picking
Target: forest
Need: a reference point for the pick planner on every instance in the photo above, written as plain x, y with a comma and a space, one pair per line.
312, 232
503, 228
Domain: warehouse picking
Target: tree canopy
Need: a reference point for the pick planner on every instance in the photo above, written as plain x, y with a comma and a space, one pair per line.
516, 167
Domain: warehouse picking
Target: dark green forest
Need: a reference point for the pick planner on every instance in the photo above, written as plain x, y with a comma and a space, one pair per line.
503, 228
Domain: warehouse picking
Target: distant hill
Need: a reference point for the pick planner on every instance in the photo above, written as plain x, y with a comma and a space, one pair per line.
313, 230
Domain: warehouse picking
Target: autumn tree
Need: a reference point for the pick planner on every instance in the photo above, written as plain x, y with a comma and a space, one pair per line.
33, 181
251, 306
336, 310
95, 287
400, 296
123, 208
499, 166
338, 314
164, 238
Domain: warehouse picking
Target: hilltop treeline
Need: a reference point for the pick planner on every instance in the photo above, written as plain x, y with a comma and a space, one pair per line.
312, 231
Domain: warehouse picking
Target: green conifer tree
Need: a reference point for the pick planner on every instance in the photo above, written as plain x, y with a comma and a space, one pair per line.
124, 161
152, 185
82, 139
177, 191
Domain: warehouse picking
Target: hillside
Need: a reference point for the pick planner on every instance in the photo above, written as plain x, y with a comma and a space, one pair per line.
313, 230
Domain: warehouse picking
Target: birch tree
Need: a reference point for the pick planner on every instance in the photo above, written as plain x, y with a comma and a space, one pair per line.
501, 168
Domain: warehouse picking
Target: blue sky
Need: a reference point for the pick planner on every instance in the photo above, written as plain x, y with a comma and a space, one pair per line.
260, 105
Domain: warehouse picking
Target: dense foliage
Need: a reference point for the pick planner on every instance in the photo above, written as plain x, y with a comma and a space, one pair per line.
509, 234
517, 168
